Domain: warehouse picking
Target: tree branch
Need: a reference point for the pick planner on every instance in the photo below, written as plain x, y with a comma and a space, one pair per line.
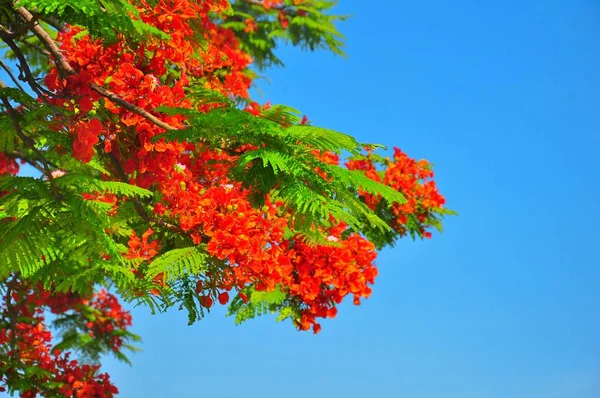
35, 47
130, 107
55, 23
30, 143
23, 65
11, 74
27, 159
65, 69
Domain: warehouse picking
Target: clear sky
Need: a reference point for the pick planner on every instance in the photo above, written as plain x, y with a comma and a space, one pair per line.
504, 98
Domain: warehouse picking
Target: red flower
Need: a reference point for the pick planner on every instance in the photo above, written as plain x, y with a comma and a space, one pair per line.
140, 248
86, 136
206, 301
223, 298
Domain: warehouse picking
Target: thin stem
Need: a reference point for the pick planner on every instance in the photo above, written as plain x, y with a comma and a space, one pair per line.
11, 74
28, 160
35, 47
23, 65
30, 143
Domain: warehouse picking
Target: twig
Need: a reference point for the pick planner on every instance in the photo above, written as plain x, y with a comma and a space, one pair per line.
36, 47
130, 107
11, 74
27, 140
23, 65
65, 69
30, 161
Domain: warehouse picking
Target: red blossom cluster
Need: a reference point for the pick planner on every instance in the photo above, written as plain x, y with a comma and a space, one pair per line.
194, 194
414, 179
109, 317
192, 179
28, 342
324, 275
8, 165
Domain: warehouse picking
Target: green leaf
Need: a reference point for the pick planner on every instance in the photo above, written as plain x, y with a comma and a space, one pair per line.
177, 263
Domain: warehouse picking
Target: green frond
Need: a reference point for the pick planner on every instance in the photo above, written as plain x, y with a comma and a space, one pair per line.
324, 139
103, 19
83, 184
259, 303
282, 114
178, 262
358, 179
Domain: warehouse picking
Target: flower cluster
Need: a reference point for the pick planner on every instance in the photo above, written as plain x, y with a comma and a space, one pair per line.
324, 275
196, 193
414, 179
111, 101
28, 342
8, 165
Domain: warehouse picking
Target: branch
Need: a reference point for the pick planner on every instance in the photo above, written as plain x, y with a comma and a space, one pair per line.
35, 47
130, 107
30, 143
65, 69
23, 65
55, 23
11, 74
27, 159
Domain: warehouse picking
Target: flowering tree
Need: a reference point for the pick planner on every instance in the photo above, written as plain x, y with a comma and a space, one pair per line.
162, 181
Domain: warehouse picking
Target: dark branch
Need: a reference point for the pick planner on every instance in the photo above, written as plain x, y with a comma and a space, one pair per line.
27, 159
11, 74
23, 65
35, 47
55, 23
30, 143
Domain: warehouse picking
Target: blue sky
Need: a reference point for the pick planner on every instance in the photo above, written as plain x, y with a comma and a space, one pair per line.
503, 97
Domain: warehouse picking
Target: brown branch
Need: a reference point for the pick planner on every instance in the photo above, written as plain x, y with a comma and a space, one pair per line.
130, 107
27, 159
55, 23
65, 69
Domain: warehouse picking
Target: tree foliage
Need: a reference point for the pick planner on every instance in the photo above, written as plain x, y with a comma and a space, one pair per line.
161, 180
